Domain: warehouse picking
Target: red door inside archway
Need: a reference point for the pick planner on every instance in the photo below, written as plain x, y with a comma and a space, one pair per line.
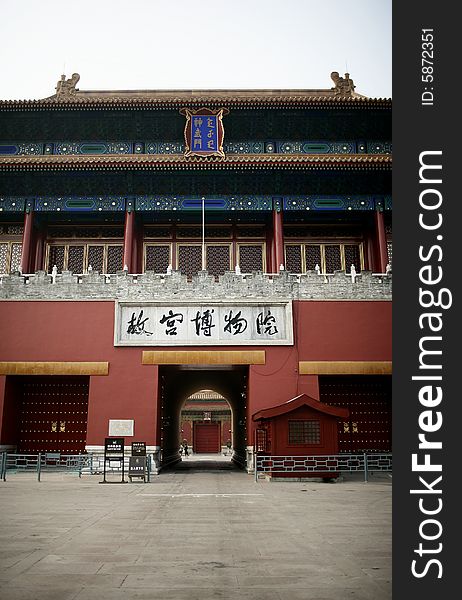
206, 437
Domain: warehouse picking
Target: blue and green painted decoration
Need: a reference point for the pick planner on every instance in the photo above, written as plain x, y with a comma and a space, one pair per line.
287, 147
225, 203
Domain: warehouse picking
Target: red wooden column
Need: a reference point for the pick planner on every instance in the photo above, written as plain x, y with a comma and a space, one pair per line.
137, 251
128, 240
278, 241
26, 242
381, 240
39, 247
269, 250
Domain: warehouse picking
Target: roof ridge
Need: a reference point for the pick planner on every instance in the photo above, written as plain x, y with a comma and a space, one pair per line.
179, 101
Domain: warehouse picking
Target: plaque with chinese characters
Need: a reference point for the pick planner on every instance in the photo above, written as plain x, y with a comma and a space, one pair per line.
204, 132
176, 323
121, 427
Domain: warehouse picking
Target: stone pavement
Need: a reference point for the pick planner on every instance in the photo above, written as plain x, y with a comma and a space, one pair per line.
201, 532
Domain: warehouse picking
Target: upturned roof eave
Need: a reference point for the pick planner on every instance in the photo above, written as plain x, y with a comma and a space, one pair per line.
294, 403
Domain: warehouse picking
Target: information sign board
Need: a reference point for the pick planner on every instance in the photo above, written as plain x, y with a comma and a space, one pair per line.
114, 448
138, 448
137, 467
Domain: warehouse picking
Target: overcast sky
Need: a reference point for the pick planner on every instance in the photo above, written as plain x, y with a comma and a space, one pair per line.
187, 44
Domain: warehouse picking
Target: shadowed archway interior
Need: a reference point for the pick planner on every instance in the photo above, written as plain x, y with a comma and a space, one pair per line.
177, 383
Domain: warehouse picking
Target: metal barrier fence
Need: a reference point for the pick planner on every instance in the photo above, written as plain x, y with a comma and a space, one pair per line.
89, 464
334, 463
46, 461
3, 466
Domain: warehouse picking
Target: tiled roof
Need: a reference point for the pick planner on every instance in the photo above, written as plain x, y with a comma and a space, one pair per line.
140, 100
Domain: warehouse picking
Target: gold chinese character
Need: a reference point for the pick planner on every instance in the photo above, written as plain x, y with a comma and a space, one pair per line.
197, 133
197, 142
197, 122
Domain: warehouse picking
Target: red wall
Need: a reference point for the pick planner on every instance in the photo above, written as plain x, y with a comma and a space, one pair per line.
337, 331
344, 330
225, 431
83, 331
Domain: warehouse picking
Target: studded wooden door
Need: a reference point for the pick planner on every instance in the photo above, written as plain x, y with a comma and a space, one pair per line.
207, 437
53, 415
368, 399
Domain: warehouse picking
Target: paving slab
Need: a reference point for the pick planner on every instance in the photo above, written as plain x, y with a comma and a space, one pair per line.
204, 531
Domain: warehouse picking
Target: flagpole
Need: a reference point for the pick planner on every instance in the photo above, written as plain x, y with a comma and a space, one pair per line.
203, 235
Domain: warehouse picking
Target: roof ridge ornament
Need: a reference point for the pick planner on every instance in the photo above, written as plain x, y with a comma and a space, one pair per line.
344, 86
66, 87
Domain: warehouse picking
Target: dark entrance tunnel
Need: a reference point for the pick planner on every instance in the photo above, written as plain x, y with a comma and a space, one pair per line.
177, 383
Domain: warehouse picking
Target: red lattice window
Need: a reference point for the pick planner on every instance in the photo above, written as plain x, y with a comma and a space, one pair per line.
88, 232
14, 229
60, 232
389, 234
10, 257
115, 255
157, 258
257, 231
113, 232
312, 257
218, 259
295, 232
352, 257
218, 232
157, 232
189, 260
56, 257
189, 232
96, 258
333, 259
294, 258
250, 258
75, 259
304, 432
15, 261
4, 266
104, 258
390, 252
262, 440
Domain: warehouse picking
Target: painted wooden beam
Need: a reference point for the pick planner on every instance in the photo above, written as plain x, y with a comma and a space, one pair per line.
345, 367
204, 357
53, 368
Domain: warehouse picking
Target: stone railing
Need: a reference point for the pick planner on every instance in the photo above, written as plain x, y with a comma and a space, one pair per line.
154, 286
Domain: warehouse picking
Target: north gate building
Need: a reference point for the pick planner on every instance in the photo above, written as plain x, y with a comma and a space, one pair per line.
156, 244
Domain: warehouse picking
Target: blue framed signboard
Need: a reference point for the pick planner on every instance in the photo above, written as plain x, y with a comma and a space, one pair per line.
204, 132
